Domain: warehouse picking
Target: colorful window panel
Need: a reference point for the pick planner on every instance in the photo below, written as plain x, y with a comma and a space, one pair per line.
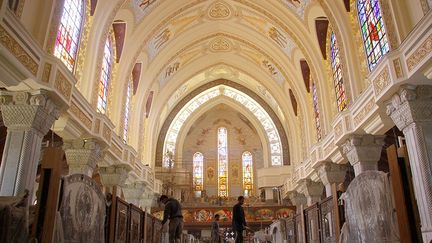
373, 31
316, 110
222, 162
198, 172
105, 77
337, 73
129, 92
68, 34
247, 173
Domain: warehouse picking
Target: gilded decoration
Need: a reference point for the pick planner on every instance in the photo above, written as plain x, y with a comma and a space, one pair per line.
329, 149
235, 176
46, 72
338, 129
389, 24
97, 126
358, 40
381, 81
398, 68
219, 10
18, 51
220, 44
84, 39
116, 151
420, 53
80, 115
364, 112
62, 85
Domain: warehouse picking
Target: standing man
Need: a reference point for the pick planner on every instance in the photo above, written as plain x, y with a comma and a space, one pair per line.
173, 213
215, 232
238, 220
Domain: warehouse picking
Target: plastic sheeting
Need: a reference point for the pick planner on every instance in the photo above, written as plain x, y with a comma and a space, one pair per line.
14, 219
369, 210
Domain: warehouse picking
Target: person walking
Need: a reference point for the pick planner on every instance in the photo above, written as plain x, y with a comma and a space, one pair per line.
215, 231
172, 212
238, 220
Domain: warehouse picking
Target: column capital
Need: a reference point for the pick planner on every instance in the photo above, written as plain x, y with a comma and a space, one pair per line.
411, 104
25, 110
363, 151
297, 198
134, 192
82, 155
114, 175
330, 173
312, 190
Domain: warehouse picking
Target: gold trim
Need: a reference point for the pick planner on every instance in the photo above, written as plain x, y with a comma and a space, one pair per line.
62, 85
76, 111
420, 53
364, 112
398, 68
18, 51
46, 73
381, 81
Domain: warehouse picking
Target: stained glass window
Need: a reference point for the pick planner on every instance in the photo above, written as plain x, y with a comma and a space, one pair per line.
316, 110
129, 92
337, 73
223, 162
198, 164
373, 31
105, 77
247, 173
68, 34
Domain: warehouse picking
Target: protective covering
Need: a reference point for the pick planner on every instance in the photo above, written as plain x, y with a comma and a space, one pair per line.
369, 210
14, 219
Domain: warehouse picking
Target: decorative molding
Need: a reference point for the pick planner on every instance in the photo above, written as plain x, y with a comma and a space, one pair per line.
381, 81
387, 16
397, 65
46, 73
76, 111
338, 129
420, 53
220, 44
62, 85
106, 133
82, 155
18, 51
364, 112
219, 11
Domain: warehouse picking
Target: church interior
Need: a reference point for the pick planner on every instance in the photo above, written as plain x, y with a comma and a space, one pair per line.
318, 112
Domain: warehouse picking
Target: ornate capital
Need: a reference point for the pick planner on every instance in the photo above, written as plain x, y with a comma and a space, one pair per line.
23, 110
82, 155
297, 199
411, 104
330, 173
114, 175
310, 188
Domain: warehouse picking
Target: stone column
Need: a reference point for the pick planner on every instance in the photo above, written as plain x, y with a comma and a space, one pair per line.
411, 111
28, 117
82, 155
114, 176
312, 190
330, 173
134, 192
363, 152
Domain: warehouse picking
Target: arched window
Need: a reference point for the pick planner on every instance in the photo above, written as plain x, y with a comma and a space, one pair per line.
337, 73
316, 110
105, 77
69, 31
247, 173
223, 162
373, 31
198, 172
129, 92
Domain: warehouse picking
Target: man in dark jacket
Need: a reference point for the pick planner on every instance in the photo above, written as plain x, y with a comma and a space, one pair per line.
172, 212
238, 220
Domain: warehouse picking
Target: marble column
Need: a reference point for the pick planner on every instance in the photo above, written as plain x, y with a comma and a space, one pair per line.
411, 111
134, 192
28, 117
82, 155
312, 190
330, 173
363, 152
114, 176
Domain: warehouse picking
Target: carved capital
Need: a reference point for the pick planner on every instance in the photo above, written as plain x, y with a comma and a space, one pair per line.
310, 188
114, 175
134, 192
330, 173
28, 110
411, 104
297, 199
82, 155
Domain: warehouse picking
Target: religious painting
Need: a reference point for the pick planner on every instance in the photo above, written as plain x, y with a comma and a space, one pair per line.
225, 215
235, 173
249, 214
158, 215
187, 216
283, 213
203, 215
210, 175
264, 214
135, 231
